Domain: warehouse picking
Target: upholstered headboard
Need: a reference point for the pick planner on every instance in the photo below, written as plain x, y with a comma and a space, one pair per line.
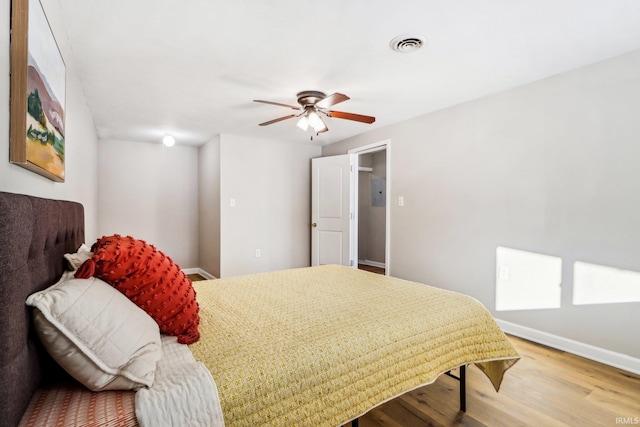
35, 233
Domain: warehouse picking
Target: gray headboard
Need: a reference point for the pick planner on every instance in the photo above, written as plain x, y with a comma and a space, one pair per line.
35, 233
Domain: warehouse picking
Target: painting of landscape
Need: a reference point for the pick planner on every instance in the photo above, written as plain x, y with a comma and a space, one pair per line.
45, 96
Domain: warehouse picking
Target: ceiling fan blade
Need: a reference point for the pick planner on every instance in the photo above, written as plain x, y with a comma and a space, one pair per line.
351, 116
331, 100
277, 120
279, 104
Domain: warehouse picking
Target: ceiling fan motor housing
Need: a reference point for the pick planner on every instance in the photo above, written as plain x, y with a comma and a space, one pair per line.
310, 97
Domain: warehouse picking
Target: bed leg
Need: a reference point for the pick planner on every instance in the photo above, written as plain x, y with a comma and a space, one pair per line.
463, 388
354, 423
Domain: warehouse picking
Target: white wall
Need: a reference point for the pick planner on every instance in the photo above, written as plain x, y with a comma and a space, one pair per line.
270, 182
81, 180
150, 192
209, 206
550, 168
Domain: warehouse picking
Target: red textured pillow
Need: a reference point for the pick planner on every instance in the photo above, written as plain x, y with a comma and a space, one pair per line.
150, 279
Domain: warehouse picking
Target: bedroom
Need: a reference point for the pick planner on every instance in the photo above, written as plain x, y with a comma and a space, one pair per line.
547, 167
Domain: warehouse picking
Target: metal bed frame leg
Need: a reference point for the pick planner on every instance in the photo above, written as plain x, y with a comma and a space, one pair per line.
463, 388
462, 378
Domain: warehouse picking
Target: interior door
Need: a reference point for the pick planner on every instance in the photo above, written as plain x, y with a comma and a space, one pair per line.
333, 180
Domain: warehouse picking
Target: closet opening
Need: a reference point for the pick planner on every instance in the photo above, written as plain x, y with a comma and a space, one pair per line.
372, 229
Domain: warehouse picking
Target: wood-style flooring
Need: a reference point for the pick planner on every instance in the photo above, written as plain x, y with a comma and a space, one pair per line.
547, 387
371, 268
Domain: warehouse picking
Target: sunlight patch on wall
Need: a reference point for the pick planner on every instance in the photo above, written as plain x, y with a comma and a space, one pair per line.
527, 280
597, 284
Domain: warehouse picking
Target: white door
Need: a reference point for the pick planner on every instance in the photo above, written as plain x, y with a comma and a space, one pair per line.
333, 180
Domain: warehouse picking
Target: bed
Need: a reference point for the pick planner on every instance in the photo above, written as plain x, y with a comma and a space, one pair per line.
314, 346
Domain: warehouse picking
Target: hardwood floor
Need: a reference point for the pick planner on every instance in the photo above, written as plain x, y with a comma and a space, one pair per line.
371, 268
547, 387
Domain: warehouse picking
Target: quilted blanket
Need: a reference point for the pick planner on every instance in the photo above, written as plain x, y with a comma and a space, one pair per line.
323, 345
183, 394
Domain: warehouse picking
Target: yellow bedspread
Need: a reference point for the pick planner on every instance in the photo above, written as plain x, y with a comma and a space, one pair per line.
320, 346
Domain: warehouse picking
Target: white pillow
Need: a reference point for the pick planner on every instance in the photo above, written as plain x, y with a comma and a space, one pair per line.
75, 260
97, 334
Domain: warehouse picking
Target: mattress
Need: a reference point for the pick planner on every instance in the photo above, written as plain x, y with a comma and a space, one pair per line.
323, 345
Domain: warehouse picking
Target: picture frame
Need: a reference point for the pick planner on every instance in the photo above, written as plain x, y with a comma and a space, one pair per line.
37, 94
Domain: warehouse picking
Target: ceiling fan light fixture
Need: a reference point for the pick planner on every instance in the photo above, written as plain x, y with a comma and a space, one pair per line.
310, 117
321, 128
315, 121
303, 123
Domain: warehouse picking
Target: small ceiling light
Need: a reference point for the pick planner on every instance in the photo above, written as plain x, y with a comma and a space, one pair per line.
405, 43
168, 140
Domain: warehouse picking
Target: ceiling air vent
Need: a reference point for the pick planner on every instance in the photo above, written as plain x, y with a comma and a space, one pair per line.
406, 43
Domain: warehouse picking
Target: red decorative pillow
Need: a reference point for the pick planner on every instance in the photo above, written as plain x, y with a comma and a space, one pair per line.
150, 279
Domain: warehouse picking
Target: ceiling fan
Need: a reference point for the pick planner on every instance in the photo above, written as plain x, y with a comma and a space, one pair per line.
312, 103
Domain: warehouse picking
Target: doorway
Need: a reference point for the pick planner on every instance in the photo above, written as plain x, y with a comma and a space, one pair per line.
371, 196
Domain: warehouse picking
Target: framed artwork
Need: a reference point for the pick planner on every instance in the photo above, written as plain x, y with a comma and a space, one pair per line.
37, 122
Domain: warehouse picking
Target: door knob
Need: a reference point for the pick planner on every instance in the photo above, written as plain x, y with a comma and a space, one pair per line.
314, 225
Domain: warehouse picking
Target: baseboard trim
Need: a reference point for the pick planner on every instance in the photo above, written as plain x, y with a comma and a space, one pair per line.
206, 274
598, 354
198, 271
372, 263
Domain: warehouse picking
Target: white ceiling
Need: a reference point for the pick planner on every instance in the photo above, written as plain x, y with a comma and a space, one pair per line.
193, 67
